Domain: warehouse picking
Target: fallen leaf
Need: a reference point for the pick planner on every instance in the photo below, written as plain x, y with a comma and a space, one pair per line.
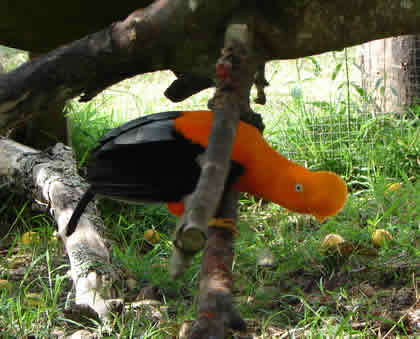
33, 299
367, 289
5, 284
30, 238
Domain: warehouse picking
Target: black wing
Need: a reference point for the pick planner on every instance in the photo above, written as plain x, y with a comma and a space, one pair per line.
146, 159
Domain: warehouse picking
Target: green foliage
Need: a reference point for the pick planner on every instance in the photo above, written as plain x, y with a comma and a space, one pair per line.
88, 125
11, 58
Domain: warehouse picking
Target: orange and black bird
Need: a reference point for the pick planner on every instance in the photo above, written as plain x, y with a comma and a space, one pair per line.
154, 159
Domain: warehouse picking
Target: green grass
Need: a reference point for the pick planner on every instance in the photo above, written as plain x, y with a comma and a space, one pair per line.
10, 58
307, 292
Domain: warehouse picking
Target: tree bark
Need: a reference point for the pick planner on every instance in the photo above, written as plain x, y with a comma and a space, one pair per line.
51, 180
139, 44
305, 24
186, 36
216, 313
391, 72
234, 77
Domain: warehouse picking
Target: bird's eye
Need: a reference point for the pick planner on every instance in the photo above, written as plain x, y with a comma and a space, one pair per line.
299, 188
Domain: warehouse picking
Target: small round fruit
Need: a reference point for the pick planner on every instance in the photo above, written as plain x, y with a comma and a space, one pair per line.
381, 236
151, 236
394, 187
29, 238
132, 283
332, 241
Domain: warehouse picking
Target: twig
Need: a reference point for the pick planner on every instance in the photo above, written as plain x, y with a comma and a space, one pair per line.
260, 83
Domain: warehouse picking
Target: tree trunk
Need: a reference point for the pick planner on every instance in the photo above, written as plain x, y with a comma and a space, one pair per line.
50, 178
391, 72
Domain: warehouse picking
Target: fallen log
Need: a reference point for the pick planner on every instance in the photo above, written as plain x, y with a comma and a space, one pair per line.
50, 178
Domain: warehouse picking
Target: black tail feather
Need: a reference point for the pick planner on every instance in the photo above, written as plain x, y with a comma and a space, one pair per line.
77, 213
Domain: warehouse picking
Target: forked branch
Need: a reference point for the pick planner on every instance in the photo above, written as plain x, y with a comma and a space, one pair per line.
234, 77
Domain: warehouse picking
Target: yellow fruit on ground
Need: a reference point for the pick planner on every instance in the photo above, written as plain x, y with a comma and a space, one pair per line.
5, 284
380, 236
29, 238
151, 236
332, 240
393, 187
332, 243
132, 283
33, 299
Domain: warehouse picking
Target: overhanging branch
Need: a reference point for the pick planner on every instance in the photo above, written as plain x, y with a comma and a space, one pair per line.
185, 37
144, 42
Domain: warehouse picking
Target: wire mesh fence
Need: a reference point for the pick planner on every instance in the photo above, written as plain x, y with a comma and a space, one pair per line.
376, 86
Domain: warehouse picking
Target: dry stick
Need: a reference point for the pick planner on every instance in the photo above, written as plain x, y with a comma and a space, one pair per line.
215, 306
50, 178
203, 203
191, 230
234, 75
231, 99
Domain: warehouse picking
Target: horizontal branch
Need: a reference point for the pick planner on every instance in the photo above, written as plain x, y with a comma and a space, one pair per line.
186, 37
146, 41
303, 28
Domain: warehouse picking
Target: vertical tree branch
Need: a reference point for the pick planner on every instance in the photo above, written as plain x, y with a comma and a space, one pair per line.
233, 82
234, 77
215, 306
